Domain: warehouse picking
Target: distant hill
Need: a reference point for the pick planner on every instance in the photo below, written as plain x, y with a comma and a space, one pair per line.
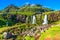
31, 9
10, 8
25, 9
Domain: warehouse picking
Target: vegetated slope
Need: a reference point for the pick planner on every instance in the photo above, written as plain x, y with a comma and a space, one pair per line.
52, 34
25, 9
29, 9
10, 9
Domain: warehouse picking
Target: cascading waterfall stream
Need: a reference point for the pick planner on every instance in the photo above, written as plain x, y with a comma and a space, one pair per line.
45, 20
26, 19
33, 19
7, 23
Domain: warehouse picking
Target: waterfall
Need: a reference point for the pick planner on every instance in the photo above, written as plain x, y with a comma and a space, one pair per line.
7, 23
45, 19
26, 19
33, 19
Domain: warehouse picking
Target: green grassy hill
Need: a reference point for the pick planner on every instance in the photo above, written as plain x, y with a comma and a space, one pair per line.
51, 33
25, 9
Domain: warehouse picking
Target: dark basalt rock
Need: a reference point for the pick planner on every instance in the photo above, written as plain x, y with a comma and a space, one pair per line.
21, 18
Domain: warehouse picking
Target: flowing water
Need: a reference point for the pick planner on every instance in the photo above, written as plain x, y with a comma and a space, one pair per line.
26, 19
7, 23
34, 20
45, 20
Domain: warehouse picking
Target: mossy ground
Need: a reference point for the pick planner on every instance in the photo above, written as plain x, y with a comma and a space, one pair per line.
51, 34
